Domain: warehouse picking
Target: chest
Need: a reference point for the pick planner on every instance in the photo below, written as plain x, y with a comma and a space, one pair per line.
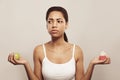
59, 55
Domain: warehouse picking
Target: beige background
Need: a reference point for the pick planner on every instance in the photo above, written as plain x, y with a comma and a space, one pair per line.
94, 25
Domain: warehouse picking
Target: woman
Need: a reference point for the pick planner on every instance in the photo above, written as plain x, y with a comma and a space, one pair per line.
58, 59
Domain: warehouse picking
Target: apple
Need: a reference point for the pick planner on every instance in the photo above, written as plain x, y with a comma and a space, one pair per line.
17, 56
102, 56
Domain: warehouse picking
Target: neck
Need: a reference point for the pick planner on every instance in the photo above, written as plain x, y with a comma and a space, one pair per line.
58, 41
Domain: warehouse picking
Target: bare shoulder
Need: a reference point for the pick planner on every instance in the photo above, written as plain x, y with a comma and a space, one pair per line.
78, 48
37, 49
38, 52
78, 52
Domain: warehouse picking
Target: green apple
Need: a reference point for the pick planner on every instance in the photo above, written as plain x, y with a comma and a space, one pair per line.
17, 56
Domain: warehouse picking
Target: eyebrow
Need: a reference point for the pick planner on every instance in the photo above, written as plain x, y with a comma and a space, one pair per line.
56, 19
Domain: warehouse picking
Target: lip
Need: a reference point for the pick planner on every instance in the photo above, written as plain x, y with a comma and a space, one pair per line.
54, 31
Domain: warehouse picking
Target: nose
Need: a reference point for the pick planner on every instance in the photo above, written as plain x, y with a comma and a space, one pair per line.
54, 24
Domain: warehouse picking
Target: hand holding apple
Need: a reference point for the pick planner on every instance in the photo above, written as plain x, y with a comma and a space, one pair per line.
16, 59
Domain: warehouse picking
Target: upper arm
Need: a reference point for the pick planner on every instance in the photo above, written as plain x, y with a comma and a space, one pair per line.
79, 63
37, 62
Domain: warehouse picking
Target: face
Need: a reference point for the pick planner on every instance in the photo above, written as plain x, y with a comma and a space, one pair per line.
56, 24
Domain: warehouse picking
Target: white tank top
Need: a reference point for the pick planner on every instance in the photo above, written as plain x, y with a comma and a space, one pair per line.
53, 71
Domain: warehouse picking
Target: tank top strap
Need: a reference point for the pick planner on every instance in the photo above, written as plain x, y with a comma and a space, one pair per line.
44, 50
73, 51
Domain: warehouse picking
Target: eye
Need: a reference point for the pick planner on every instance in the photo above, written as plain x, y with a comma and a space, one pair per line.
49, 21
60, 21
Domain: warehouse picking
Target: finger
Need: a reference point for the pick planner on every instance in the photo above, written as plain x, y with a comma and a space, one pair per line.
10, 55
108, 61
11, 59
15, 60
102, 61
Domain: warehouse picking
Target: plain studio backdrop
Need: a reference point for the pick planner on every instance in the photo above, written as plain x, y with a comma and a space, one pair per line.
94, 25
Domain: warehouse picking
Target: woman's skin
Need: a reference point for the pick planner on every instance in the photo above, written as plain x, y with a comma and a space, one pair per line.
58, 51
